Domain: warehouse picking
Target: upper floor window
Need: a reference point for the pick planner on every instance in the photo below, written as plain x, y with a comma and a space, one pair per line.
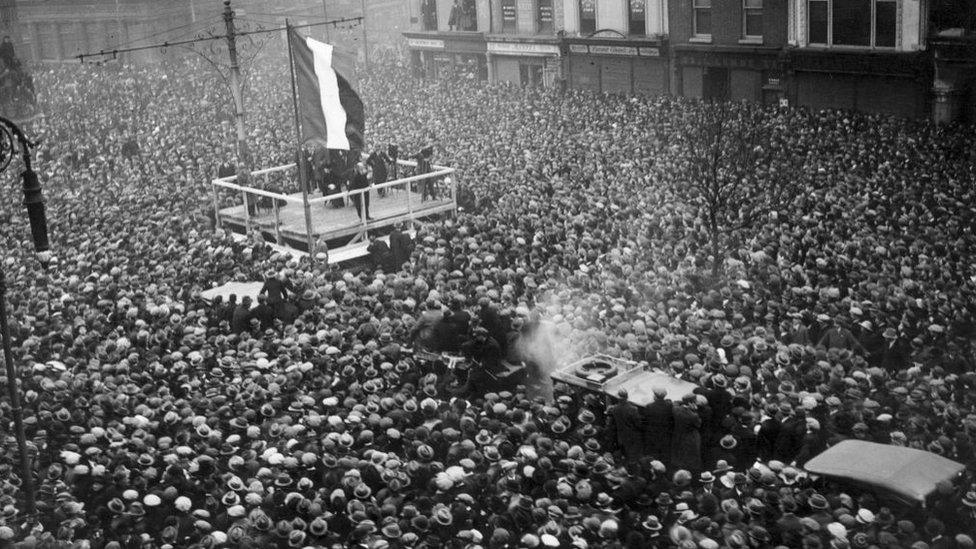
752, 18
866, 23
544, 16
464, 16
428, 14
587, 17
509, 17
636, 18
702, 19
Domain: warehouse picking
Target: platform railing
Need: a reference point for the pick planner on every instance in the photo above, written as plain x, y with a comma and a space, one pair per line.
254, 198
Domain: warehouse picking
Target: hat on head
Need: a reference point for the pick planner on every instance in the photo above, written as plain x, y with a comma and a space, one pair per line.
652, 523
817, 501
970, 499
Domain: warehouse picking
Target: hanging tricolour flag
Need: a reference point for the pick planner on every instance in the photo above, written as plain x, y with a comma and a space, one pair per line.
329, 109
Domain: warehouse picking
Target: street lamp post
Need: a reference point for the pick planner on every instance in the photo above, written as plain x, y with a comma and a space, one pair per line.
34, 200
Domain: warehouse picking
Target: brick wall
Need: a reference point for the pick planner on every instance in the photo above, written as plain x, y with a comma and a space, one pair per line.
727, 22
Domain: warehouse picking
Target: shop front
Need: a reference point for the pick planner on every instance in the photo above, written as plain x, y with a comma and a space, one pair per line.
954, 81
887, 83
616, 66
448, 55
524, 63
730, 73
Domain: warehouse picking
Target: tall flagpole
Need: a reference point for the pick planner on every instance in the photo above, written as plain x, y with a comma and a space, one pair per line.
302, 168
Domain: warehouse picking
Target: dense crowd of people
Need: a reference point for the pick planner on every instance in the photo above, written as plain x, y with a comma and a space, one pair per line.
157, 419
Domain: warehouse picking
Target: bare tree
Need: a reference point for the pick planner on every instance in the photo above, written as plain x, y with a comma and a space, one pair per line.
736, 168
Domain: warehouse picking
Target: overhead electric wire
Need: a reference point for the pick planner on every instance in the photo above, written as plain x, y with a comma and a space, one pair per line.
116, 51
208, 21
287, 14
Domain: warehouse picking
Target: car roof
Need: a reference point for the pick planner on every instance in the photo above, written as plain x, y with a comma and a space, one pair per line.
908, 472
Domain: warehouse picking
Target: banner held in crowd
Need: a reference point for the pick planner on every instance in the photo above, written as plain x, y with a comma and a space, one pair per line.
330, 111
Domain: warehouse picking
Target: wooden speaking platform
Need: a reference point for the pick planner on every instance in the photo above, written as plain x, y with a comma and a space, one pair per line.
283, 217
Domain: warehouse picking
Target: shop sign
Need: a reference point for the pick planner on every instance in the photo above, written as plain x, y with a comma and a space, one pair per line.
508, 10
588, 9
545, 12
614, 50
637, 9
522, 49
578, 48
425, 43
650, 52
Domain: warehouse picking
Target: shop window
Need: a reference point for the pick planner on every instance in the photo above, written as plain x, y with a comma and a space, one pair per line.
636, 16
702, 20
509, 17
587, 17
860, 23
428, 14
752, 18
544, 16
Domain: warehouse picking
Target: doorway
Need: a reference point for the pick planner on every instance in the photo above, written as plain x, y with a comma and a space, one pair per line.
530, 74
715, 84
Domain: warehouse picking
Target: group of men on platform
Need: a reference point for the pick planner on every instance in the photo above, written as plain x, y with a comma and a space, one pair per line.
330, 170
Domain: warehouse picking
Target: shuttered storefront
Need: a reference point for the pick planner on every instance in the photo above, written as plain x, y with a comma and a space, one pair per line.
507, 70
826, 91
650, 76
584, 73
615, 75
745, 85
692, 82
617, 66
878, 94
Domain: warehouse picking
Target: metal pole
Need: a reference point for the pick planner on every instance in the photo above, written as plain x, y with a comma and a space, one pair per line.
216, 201
365, 42
302, 169
236, 91
13, 392
325, 14
409, 202
34, 200
247, 214
277, 214
453, 185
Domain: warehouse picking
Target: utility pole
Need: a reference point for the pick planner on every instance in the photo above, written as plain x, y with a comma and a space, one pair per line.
365, 43
325, 14
244, 159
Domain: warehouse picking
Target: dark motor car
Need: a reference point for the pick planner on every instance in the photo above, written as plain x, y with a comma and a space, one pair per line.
895, 474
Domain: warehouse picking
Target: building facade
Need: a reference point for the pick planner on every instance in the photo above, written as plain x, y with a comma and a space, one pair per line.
9, 23
866, 55
59, 30
616, 46
523, 47
512, 41
729, 49
448, 38
952, 41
